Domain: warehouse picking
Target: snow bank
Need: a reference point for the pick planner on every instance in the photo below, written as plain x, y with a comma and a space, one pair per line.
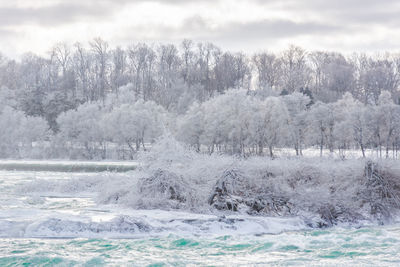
324, 192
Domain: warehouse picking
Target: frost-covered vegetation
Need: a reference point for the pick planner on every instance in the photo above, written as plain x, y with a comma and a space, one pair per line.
322, 192
236, 122
96, 102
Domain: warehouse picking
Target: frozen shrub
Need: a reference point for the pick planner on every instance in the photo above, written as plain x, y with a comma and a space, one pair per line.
165, 188
233, 191
381, 191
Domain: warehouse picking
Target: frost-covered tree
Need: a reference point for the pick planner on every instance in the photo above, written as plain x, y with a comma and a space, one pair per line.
134, 124
269, 124
69, 77
7, 98
82, 128
226, 121
382, 121
124, 95
297, 104
191, 126
361, 131
388, 115
321, 125
350, 126
19, 132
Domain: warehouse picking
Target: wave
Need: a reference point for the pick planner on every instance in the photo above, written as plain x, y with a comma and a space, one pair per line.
145, 223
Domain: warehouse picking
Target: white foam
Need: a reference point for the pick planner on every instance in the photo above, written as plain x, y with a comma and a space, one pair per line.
136, 223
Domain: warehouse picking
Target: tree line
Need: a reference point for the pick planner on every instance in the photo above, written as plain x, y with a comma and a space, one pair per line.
95, 99
239, 122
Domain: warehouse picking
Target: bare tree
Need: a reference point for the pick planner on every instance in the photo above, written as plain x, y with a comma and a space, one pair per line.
100, 50
268, 68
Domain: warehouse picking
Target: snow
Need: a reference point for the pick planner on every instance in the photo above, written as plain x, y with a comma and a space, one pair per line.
322, 192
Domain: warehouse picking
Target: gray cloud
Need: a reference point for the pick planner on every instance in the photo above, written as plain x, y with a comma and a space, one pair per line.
328, 6
198, 28
271, 29
341, 11
357, 12
317, 21
51, 15
61, 12
387, 18
167, 2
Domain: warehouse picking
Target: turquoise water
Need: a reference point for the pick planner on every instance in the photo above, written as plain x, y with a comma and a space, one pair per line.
335, 247
57, 229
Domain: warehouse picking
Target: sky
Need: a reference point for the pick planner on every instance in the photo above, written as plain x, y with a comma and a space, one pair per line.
237, 25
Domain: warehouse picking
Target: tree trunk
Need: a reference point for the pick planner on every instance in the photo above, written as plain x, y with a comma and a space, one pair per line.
321, 147
144, 148
137, 145
131, 148
387, 151
260, 148
362, 150
198, 147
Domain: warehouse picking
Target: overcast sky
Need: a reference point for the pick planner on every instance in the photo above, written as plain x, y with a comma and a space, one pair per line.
248, 25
